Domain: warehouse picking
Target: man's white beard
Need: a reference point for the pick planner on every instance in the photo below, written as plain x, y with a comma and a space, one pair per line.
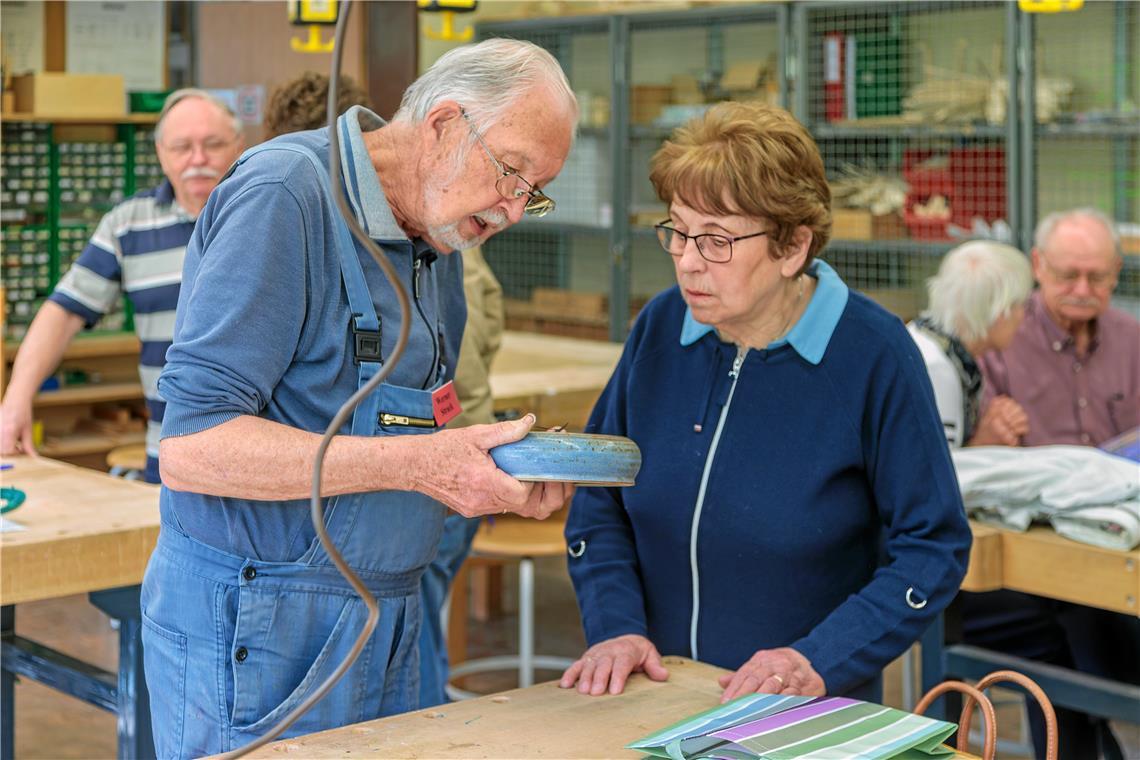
449, 236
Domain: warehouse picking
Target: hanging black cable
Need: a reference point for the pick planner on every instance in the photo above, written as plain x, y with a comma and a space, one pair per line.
345, 412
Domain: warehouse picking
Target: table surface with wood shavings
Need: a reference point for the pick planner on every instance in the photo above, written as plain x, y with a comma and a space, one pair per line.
82, 531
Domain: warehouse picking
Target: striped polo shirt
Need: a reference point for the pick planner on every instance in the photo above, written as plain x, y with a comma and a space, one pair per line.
137, 250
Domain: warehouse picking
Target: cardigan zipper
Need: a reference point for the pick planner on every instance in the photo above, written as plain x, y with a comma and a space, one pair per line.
737, 363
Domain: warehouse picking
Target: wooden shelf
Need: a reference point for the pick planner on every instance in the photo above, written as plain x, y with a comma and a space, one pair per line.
83, 347
89, 394
128, 118
88, 443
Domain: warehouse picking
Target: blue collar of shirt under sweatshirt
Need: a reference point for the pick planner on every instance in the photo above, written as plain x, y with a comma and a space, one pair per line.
811, 334
365, 195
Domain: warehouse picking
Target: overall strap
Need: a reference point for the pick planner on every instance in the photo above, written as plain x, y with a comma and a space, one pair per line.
365, 322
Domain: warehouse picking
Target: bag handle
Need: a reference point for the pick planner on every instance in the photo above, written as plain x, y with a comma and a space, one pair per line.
1030, 686
973, 696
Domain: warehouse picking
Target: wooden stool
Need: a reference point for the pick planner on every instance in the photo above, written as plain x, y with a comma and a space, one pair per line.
127, 462
512, 538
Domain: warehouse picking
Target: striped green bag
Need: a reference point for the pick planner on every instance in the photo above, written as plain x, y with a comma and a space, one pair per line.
773, 727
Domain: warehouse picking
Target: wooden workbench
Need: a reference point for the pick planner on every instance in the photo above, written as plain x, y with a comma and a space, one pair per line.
557, 378
539, 721
84, 531
1041, 562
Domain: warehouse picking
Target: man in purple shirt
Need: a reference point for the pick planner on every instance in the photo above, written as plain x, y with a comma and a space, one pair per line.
1074, 367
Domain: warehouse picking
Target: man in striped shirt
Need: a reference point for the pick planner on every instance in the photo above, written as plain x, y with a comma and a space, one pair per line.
137, 250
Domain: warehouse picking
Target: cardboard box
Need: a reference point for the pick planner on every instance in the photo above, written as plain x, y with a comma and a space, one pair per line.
860, 224
687, 90
744, 75
647, 100
57, 94
902, 302
558, 302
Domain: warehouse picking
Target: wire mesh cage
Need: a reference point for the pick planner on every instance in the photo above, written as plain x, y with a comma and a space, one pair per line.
914, 106
568, 249
681, 64
909, 103
1086, 109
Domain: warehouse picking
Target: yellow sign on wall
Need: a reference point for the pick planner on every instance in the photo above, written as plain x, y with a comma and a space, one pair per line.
312, 11
1049, 6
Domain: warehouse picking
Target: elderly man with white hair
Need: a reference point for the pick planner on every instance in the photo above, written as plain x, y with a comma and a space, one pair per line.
137, 249
1074, 364
976, 302
1074, 367
283, 317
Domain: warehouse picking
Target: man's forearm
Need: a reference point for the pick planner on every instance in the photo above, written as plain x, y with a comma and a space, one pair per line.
41, 349
253, 458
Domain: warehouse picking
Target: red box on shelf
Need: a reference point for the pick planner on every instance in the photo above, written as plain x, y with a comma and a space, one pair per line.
971, 179
978, 177
925, 228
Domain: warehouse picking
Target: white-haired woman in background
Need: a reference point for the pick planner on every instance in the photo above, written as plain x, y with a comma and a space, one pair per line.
977, 300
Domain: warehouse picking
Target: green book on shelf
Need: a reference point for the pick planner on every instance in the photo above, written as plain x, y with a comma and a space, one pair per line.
878, 74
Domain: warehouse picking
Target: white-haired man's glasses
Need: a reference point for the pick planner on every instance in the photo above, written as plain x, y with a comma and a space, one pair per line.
511, 184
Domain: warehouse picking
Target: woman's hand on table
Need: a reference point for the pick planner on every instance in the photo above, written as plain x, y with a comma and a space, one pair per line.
773, 671
606, 666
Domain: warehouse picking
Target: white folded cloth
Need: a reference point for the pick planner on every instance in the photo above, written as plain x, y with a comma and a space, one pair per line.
1087, 494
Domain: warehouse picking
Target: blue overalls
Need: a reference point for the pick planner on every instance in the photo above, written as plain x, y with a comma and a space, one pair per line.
232, 644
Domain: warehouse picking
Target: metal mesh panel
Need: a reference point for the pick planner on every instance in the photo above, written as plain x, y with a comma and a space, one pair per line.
569, 248
1088, 126
908, 102
680, 66
525, 257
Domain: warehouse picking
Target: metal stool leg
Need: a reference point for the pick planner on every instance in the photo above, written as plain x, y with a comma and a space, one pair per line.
526, 622
7, 690
526, 660
909, 660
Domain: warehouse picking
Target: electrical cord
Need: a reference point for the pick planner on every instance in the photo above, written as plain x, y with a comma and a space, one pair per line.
344, 413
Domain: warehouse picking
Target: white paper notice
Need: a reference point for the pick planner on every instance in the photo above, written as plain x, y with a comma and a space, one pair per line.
127, 38
22, 27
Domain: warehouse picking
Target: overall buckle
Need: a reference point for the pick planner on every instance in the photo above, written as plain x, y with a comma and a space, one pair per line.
365, 345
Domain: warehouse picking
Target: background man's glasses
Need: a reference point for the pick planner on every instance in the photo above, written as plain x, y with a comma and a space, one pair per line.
212, 147
1069, 278
712, 247
511, 184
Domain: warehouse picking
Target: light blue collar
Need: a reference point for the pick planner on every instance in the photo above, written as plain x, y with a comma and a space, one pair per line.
811, 334
364, 191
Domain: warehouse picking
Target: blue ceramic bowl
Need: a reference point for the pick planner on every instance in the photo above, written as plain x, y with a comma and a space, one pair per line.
581, 458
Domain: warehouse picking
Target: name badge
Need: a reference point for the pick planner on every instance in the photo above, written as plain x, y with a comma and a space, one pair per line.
445, 404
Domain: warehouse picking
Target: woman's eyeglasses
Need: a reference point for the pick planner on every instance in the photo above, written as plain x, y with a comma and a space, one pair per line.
712, 247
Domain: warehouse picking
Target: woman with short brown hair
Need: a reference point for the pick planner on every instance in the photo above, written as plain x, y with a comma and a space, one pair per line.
788, 432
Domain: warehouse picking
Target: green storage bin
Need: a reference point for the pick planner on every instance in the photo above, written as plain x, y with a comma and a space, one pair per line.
148, 102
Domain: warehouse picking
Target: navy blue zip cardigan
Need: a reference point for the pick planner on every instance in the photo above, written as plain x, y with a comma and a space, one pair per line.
830, 496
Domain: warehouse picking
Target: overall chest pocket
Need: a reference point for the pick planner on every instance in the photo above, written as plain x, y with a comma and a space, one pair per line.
404, 411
